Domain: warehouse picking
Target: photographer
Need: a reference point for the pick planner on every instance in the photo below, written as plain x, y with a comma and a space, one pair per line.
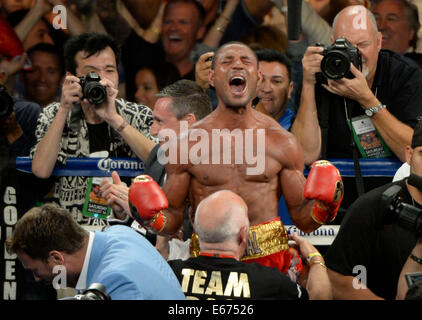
373, 244
89, 118
386, 94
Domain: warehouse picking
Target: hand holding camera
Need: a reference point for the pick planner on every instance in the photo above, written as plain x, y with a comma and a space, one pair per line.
338, 59
338, 69
101, 94
311, 64
91, 89
71, 92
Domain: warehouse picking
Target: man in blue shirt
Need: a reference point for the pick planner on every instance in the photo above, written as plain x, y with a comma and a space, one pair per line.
274, 92
49, 242
276, 86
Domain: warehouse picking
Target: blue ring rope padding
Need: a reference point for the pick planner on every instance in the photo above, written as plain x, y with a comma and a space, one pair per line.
90, 167
382, 167
131, 167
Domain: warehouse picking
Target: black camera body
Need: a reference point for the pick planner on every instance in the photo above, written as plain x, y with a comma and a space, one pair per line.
92, 89
95, 291
336, 62
395, 211
6, 104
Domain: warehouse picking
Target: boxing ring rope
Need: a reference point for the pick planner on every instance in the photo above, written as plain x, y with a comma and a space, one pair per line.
90, 167
131, 167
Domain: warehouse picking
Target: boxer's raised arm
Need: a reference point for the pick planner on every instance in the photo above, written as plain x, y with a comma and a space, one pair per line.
292, 183
314, 201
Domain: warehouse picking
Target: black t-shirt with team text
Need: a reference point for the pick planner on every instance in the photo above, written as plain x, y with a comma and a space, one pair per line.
226, 278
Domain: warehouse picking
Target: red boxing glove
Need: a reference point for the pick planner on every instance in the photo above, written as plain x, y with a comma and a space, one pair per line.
146, 200
324, 184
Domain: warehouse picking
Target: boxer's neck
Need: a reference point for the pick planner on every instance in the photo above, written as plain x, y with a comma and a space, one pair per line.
236, 117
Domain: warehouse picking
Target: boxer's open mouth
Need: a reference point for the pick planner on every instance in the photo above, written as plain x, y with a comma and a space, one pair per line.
237, 84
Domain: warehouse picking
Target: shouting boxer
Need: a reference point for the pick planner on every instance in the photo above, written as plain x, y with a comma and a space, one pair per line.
197, 173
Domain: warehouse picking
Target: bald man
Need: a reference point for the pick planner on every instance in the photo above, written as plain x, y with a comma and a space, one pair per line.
222, 225
386, 93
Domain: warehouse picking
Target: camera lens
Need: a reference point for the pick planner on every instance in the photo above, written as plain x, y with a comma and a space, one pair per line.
95, 93
335, 65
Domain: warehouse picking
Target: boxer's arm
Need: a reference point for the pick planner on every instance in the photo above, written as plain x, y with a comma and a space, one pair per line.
150, 205
176, 190
292, 183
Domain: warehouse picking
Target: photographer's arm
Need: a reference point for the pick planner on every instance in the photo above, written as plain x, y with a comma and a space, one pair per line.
409, 267
47, 150
306, 126
139, 143
395, 133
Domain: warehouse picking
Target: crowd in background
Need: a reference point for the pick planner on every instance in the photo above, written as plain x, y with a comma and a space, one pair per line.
160, 42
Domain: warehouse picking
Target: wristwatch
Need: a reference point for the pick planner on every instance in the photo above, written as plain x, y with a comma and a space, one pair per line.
370, 112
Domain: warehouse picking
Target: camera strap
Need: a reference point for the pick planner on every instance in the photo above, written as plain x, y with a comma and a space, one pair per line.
324, 123
75, 118
358, 172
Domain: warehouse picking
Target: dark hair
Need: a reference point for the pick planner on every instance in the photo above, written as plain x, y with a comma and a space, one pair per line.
46, 228
165, 72
187, 97
91, 43
195, 3
48, 48
269, 55
412, 18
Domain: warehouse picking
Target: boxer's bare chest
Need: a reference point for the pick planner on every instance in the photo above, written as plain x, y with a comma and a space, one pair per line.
248, 169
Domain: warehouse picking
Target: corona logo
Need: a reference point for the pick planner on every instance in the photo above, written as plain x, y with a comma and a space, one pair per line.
108, 164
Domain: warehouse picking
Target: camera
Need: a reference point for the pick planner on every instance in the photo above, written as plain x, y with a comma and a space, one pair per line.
336, 62
95, 291
92, 90
395, 211
6, 103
